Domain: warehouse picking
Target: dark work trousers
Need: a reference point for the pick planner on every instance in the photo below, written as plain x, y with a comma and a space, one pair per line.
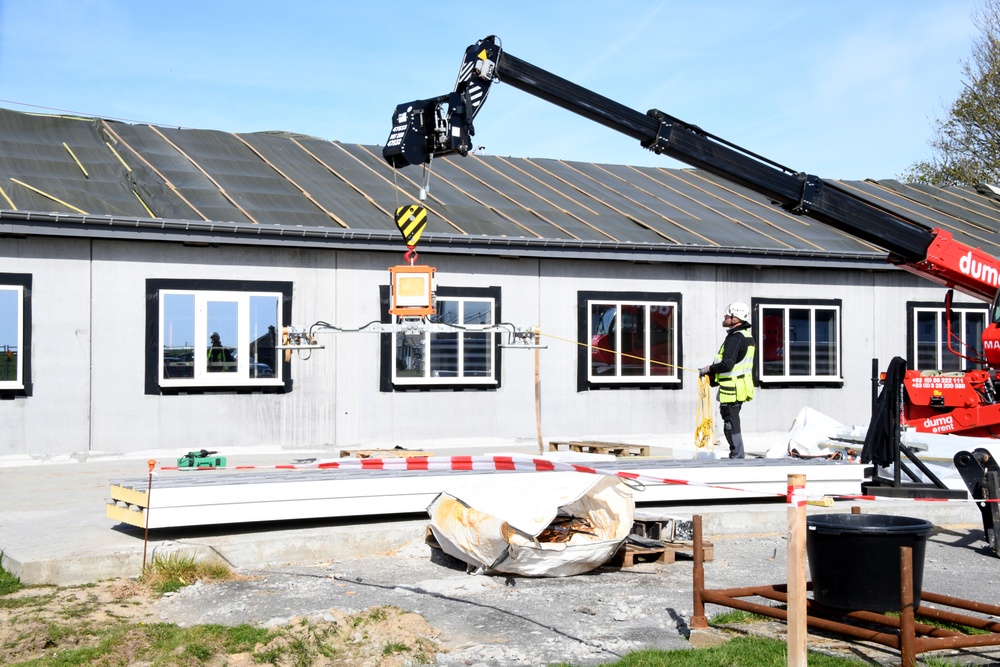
730, 413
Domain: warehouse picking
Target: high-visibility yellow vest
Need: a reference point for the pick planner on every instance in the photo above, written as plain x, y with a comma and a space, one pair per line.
736, 385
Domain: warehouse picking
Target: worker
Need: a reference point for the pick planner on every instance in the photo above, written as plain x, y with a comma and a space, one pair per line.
220, 357
732, 372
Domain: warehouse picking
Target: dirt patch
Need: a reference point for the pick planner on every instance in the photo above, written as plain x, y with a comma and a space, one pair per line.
40, 622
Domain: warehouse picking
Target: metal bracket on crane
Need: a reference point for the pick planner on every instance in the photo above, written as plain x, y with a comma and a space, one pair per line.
304, 338
298, 338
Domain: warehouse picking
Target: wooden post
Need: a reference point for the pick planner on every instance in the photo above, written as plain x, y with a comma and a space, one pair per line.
538, 392
149, 504
698, 620
907, 629
797, 626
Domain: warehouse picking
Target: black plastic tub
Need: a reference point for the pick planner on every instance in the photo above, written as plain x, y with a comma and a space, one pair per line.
854, 559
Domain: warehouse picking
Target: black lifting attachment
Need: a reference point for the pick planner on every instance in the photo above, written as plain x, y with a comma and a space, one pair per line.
981, 473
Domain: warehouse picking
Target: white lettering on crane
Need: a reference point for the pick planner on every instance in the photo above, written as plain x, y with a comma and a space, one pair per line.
939, 424
979, 270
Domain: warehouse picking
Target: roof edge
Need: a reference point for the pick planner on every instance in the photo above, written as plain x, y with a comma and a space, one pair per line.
198, 232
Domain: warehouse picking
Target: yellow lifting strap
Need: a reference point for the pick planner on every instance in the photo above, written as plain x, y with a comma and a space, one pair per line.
704, 432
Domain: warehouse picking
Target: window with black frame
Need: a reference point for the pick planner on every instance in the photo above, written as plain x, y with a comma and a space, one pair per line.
216, 334
456, 354
629, 338
798, 341
15, 334
931, 347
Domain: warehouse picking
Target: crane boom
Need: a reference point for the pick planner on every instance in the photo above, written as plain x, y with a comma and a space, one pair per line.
424, 129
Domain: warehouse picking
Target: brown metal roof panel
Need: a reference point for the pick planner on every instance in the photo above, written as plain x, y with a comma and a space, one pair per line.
481, 220
807, 232
450, 210
527, 205
369, 170
529, 175
454, 173
373, 176
887, 198
470, 190
547, 200
641, 194
722, 208
62, 165
352, 164
605, 210
962, 230
987, 204
317, 183
577, 198
250, 183
966, 204
143, 144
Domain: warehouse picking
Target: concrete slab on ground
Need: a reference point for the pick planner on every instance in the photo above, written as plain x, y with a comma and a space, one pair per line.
54, 529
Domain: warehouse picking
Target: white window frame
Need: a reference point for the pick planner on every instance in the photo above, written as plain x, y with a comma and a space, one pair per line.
21, 350
672, 374
786, 377
940, 343
202, 331
428, 378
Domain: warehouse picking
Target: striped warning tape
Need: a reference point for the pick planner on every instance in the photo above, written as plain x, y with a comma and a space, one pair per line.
532, 464
476, 463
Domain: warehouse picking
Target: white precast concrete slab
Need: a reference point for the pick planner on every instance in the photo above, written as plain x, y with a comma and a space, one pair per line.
216, 497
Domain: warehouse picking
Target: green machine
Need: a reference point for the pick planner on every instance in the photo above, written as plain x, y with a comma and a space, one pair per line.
201, 459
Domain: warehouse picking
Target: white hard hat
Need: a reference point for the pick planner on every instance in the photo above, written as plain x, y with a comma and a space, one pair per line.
739, 310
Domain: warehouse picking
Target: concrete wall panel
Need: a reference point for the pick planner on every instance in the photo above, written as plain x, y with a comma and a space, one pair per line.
88, 309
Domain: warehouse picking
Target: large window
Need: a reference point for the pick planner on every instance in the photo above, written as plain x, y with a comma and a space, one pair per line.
797, 341
630, 338
216, 334
15, 332
928, 336
459, 356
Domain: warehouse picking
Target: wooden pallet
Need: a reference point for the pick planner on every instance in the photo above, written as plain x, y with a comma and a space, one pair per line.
382, 453
593, 447
665, 554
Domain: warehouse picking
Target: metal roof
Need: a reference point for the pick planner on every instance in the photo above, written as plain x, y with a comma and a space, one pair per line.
74, 175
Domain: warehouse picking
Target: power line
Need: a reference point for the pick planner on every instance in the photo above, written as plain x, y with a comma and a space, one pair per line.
90, 115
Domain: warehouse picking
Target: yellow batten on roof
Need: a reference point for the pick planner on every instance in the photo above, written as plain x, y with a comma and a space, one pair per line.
76, 159
8, 200
53, 198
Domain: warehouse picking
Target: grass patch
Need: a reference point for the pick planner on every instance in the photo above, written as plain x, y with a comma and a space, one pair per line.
738, 616
739, 652
8, 582
394, 647
158, 643
168, 574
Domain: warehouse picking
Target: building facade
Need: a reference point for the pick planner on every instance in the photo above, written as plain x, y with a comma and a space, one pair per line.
119, 264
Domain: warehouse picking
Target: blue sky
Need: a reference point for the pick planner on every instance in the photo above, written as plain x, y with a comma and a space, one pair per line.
843, 89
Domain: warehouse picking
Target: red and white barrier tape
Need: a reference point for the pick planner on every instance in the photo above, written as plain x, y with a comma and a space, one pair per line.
476, 463
796, 496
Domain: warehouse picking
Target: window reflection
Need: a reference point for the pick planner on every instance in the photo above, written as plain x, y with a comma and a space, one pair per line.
10, 335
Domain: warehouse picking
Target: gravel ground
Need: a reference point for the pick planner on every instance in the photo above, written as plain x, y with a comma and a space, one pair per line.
587, 619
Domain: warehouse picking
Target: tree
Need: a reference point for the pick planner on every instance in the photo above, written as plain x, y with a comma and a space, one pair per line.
966, 144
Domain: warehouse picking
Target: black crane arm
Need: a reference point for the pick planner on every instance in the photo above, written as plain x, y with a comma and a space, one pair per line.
443, 125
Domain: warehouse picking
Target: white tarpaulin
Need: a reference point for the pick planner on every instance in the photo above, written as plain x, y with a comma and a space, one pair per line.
809, 429
566, 524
